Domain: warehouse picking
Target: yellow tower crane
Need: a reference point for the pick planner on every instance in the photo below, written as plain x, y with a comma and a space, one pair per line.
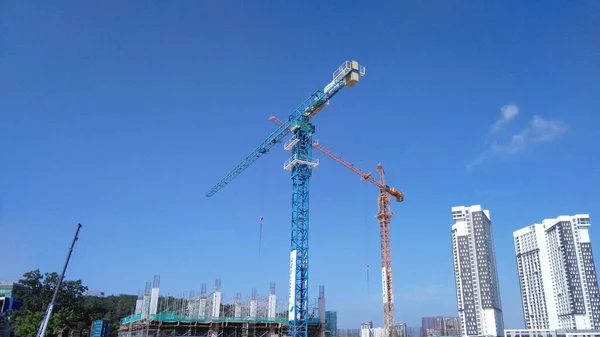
384, 216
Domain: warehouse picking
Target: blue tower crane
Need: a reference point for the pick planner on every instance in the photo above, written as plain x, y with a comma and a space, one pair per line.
300, 164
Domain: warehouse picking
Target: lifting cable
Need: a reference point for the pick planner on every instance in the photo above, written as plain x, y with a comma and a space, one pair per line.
260, 206
366, 229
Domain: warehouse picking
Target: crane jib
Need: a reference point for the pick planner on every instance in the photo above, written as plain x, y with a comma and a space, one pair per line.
263, 148
308, 109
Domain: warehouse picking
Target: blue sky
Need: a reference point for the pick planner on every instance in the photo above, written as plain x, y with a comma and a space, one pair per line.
121, 115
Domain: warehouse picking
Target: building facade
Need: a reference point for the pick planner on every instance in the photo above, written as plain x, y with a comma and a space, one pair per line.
400, 328
365, 329
8, 288
331, 325
440, 326
378, 332
476, 275
100, 328
8, 303
557, 275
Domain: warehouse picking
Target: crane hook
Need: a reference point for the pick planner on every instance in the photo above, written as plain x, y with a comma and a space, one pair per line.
260, 236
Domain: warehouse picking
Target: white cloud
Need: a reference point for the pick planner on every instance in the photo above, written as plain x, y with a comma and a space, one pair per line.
515, 144
546, 130
478, 161
508, 113
539, 130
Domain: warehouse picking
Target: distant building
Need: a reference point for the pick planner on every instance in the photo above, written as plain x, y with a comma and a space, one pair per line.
7, 288
414, 332
95, 293
331, 326
348, 332
400, 329
378, 332
365, 329
100, 328
476, 275
440, 326
8, 303
559, 286
551, 333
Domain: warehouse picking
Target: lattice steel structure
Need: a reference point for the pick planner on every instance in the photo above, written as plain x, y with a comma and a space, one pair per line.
300, 164
384, 215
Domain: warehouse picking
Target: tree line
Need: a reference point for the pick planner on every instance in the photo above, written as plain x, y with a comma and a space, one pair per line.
73, 309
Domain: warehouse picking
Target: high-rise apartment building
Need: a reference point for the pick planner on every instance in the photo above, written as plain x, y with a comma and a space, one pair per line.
559, 288
477, 286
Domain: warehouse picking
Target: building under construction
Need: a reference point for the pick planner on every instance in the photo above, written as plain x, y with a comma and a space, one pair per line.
210, 315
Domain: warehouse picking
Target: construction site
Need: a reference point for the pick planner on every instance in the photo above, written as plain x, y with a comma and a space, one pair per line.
211, 315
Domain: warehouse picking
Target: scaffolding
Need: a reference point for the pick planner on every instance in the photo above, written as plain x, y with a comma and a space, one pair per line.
213, 315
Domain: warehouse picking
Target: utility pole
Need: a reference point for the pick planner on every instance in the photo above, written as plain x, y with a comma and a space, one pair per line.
42, 331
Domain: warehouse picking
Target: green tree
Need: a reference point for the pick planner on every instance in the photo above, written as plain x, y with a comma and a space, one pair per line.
69, 311
28, 323
111, 308
72, 310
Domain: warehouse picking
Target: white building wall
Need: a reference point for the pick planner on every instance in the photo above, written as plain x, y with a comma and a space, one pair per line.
138, 306
216, 304
238, 310
202, 304
192, 308
489, 322
272, 304
476, 276
459, 230
378, 332
145, 306
555, 264
253, 308
154, 301
545, 264
365, 329
533, 264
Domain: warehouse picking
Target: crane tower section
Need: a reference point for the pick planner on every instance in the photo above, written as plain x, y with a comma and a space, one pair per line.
384, 216
300, 165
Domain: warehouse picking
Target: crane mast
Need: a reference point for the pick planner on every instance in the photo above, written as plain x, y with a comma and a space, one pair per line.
300, 165
384, 216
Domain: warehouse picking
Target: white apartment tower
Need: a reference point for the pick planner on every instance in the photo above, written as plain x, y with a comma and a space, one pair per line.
559, 289
477, 287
